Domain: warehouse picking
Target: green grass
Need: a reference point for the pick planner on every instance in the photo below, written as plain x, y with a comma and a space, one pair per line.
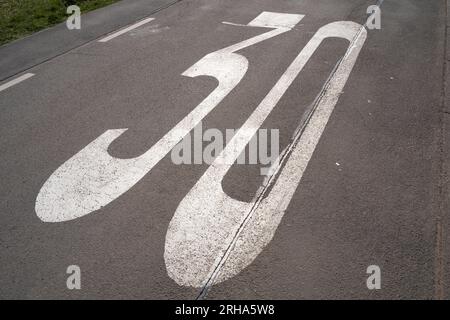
19, 18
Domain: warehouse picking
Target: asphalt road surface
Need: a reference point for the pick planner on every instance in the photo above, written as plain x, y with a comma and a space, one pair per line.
88, 119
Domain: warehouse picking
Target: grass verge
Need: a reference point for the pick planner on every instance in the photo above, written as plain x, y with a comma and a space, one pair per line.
19, 18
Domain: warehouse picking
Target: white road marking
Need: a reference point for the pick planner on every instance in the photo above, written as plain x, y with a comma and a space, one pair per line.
212, 236
273, 20
125, 30
276, 20
235, 24
16, 81
92, 178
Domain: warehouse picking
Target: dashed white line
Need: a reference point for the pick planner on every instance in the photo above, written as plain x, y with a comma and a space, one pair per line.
15, 81
125, 30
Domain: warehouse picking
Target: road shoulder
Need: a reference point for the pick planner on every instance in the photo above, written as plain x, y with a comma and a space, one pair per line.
23, 54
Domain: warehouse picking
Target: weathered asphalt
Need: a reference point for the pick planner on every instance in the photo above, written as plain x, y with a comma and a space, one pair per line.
374, 192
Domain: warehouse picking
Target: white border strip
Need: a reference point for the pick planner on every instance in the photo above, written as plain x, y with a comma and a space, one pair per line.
120, 32
16, 81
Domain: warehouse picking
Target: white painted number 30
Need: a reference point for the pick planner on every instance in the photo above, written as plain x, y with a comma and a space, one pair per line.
210, 231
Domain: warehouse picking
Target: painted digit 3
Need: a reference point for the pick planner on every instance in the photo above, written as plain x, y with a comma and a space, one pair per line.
91, 179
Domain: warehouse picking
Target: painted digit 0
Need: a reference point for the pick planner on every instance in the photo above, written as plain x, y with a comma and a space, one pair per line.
212, 236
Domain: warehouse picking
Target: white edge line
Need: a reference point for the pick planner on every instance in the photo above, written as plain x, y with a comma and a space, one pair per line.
122, 31
16, 81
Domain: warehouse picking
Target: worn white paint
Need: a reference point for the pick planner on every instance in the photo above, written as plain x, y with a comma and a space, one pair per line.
273, 20
15, 81
125, 30
92, 178
276, 20
212, 236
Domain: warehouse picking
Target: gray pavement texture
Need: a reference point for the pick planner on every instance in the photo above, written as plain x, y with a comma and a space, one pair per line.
375, 191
